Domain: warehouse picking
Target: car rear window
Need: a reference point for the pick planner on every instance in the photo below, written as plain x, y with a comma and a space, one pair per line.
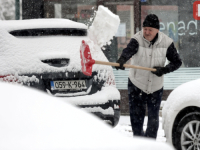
49, 32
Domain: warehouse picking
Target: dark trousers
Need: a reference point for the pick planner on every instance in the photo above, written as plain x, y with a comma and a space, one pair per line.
137, 104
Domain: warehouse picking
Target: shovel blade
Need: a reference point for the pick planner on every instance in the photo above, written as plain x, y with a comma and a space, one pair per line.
86, 59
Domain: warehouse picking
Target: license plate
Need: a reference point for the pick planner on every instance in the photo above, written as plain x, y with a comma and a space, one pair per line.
72, 84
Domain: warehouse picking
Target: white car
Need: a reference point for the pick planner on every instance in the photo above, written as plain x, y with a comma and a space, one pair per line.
181, 116
45, 54
32, 120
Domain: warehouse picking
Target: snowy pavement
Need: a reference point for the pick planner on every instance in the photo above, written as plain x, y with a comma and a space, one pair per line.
124, 127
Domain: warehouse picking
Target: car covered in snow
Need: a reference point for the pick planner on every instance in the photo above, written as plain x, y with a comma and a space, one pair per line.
181, 116
32, 120
45, 54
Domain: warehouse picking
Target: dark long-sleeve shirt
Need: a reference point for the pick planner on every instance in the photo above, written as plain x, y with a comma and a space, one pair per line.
172, 55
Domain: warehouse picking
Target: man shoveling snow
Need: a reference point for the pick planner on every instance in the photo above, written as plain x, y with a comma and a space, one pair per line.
149, 48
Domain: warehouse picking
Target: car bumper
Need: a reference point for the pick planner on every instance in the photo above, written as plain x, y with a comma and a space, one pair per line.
105, 104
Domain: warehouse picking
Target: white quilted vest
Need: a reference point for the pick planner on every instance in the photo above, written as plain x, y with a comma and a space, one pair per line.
152, 56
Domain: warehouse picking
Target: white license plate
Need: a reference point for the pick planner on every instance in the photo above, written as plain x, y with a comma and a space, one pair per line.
72, 84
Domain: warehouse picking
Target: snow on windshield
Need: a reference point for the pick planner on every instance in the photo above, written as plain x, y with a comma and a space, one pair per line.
23, 55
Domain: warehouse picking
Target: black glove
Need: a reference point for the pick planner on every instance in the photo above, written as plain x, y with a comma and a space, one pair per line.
159, 71
121, 61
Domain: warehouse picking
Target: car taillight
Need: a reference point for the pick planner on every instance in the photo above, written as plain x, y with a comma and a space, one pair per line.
8, 78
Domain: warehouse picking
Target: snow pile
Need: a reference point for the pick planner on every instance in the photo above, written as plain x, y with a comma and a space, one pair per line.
104, 26
43, 122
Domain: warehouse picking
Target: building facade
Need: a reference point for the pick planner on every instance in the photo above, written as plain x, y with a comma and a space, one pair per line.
176, 20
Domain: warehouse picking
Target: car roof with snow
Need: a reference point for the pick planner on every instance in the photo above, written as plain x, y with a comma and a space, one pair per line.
24, 55
41, 121
11, 25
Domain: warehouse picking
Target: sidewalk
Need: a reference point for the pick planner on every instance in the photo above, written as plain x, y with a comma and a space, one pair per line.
124, 127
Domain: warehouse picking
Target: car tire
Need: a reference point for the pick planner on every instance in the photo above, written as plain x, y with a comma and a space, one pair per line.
116, 117
187, 134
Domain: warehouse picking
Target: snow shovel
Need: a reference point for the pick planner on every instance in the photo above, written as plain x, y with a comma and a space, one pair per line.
87, 62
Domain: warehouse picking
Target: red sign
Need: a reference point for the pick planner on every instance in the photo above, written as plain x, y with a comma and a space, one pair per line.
196, 10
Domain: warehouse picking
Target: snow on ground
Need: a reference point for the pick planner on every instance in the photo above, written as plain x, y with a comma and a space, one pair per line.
124, 127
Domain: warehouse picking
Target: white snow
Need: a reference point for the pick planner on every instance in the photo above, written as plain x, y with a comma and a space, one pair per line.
124, 128
104, 26
34, 121
101, 97
11, 25
108, 111
23, 55
185, 93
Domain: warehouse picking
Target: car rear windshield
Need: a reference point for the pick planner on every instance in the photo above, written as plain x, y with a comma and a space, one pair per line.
49, 32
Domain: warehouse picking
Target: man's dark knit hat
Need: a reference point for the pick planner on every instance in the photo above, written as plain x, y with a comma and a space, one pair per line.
151, 20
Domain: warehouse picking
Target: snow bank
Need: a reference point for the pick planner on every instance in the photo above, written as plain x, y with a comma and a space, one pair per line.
31, 120
104, 26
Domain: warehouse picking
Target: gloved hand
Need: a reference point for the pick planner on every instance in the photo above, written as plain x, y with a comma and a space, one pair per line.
159, 71
121, 61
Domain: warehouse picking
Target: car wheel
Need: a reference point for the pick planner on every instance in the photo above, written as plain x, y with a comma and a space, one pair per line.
116, 117
187, 136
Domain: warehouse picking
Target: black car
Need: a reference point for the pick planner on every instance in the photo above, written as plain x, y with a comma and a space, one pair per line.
45, 54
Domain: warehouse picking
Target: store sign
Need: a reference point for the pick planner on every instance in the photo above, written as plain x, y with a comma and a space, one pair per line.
196, 10
182, 28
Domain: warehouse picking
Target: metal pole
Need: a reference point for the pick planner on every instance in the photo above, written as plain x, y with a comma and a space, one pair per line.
17, 9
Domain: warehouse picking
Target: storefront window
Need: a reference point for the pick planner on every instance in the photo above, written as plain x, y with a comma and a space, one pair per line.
176, 21
83, 11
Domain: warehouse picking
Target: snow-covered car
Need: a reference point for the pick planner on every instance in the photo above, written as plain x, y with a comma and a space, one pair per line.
32, 120
181, 116
45, 54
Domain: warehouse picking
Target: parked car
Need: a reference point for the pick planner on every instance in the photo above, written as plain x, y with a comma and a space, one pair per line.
181, 116
45, 54
32, 120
